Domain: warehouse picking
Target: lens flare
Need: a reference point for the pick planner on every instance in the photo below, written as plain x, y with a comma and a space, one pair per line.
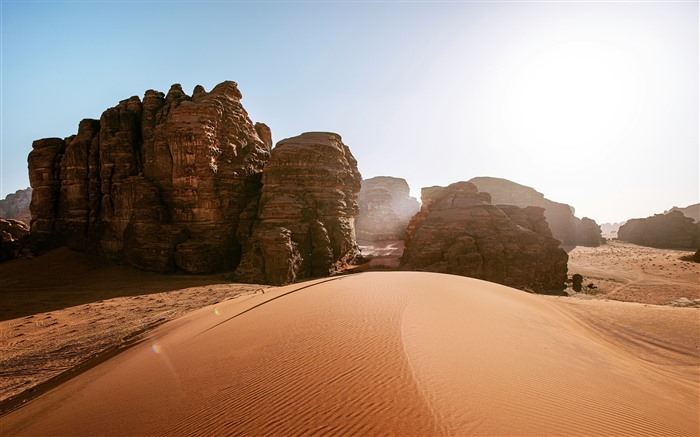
156, 349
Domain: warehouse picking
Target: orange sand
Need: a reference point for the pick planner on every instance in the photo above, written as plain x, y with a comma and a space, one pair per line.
391, 354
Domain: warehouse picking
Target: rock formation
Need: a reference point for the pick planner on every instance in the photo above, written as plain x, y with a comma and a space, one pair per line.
11, 232
305, 217
385, 209
459, 231
692, 211
159, 184
588, 233
560, 217
673, 230
16, 206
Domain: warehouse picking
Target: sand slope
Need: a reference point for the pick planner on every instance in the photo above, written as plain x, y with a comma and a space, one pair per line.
382, 354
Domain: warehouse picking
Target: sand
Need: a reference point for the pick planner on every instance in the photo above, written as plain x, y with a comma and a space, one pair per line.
627, 272
80, 310
391, 353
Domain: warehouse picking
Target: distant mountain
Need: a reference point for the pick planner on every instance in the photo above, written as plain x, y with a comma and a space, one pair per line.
16, 206
692, 211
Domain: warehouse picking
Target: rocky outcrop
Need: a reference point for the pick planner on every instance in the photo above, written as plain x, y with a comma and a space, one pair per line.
588, 233
385, 209
564, 225
459, 231
692, 211
673, 230
12, 230
16, 206
304, 225
12, 235
159, 183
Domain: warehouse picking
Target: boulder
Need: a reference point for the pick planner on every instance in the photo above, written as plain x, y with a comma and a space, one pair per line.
12, 237
673, 230
157, 183
385, 209
459, 231
16, 206
304, 226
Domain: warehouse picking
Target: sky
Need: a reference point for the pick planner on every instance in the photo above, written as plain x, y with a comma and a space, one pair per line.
594, 104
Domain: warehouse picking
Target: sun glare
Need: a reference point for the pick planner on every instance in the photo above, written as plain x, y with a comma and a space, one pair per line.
581, 95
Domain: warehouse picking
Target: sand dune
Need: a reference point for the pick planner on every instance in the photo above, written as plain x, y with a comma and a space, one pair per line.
387, 354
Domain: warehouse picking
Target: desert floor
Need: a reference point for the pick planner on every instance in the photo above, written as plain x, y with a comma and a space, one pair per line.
631, 273
342, 359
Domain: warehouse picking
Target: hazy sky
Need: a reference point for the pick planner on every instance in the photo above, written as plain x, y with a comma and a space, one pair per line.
594, 104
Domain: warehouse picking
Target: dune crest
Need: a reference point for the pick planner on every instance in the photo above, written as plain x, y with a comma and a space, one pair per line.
377, 354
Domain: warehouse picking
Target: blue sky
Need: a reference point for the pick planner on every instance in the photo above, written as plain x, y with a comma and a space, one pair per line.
593, 104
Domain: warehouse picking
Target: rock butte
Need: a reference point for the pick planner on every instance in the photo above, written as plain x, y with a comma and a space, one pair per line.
386, 207
306, 212
672, 230
158, 184
567, 228
459, 231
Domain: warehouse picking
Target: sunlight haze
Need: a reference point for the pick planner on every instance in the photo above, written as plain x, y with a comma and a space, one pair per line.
593, 104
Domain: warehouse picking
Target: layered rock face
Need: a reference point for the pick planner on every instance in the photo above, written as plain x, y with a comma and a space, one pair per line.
459, 231
16, 206
305, 218
158, 183
564, 225
385, 209
672, 230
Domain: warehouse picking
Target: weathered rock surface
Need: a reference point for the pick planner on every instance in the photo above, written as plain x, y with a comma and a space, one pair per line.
564, 225
12, 233
673, 230
16, 206
159, 184
12, 230
305, 217
386, 207
459, 231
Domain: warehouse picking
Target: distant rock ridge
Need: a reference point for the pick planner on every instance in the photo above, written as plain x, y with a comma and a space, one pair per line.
673, 230
157, 183
16, 206
304, 225
459, 231
692, 211
565, 226
386, 207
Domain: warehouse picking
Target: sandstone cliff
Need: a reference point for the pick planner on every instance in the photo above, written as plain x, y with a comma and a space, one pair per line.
16, 206
459, 231
158, 183
565, 227
304, 221
385, 209
672, 230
